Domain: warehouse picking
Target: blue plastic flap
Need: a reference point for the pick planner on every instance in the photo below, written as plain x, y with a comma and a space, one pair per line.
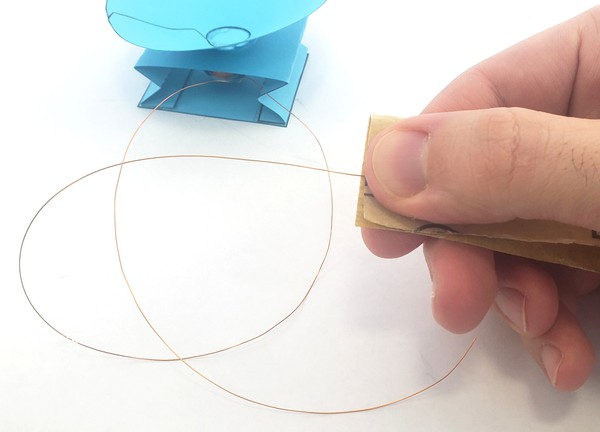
185, 25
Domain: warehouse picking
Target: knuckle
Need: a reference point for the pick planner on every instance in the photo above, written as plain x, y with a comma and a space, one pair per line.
509, 152
594, 15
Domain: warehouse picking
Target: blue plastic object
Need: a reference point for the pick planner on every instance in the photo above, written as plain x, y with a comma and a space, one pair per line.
254, 45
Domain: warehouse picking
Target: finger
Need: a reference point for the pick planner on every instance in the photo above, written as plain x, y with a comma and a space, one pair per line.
564, 353
486, 166
390, 244
527, 297
556, 71
572, 284
464, 283
573, 281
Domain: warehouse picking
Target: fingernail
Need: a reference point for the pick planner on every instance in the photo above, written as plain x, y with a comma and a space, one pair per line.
551, 359
511, 304
398, 162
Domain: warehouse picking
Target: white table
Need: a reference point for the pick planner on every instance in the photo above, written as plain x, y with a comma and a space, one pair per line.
210, 267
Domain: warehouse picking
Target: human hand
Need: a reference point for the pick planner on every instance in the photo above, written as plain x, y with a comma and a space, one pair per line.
516, 136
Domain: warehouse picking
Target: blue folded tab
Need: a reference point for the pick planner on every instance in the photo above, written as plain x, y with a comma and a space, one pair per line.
252, 48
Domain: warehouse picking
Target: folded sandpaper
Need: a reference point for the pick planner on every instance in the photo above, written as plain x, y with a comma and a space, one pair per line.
546, 241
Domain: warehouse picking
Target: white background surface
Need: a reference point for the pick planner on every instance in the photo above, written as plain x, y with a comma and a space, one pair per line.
217, 251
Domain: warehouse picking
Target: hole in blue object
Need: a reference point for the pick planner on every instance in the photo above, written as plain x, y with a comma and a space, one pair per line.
228, 37
225, 76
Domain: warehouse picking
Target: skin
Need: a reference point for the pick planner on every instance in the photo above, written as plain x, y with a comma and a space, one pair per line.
516, 136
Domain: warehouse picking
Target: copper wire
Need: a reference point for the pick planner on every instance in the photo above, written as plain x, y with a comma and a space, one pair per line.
136, 161
185, 360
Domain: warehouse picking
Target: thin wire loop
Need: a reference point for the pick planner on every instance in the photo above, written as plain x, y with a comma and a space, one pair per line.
115, 225
186, 360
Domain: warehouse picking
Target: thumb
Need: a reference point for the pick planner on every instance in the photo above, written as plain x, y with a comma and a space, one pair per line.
486, 166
